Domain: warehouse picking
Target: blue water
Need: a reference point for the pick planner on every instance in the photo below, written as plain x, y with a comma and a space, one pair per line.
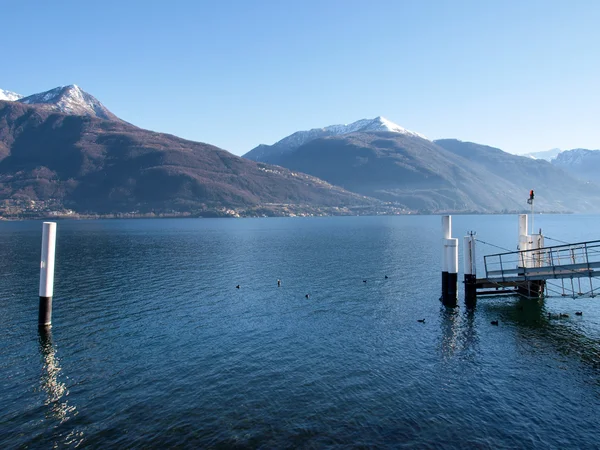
152, 345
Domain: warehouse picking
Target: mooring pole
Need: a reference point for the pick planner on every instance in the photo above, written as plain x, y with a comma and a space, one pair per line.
450, 297
449, 263
522, 229
470, 271
446, 233
47, 274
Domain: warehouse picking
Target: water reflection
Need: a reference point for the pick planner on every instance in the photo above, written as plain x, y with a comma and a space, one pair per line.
537, 327
49, 382
459, 333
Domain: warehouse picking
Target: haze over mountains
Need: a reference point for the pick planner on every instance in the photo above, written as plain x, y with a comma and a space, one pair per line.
396, 165
579, 162
64, 149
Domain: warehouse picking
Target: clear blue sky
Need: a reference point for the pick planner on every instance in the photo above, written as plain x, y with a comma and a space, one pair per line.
519, 75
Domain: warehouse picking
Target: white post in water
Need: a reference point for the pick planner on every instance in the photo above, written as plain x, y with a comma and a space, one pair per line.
446, 234
522, 226
523, 240
449, 263
47, 274
470, 270
452, 285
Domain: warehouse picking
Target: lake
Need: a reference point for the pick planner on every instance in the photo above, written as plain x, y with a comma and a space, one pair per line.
153, 346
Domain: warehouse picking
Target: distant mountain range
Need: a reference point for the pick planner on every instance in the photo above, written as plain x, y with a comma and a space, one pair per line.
579, 162
63, 149
63, 146
395, 165
582, 163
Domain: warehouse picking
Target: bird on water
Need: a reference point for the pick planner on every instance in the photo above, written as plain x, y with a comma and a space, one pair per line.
421, 320
578, 313
494, 322
307, 295
238, 286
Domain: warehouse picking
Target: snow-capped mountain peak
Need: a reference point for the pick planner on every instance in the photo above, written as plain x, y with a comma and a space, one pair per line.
576, 157
377, 124
9, 96
70, 99
269, 153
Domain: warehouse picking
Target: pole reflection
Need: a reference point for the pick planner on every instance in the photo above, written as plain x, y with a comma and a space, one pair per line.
459, 333
55, 390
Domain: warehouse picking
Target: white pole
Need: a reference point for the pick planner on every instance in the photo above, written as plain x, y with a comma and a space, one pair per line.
468, 256
451, 278
452, 246
446, 234
47, 273
447, 227
522, 226
470, 269
532, 217
523, 240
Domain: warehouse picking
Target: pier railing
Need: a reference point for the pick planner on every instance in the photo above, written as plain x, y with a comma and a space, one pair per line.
577, 260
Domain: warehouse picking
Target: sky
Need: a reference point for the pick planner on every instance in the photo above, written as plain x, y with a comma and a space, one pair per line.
522, 75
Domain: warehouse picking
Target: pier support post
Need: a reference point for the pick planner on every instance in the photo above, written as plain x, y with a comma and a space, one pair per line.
446, 234
449, 294
449, 263
47, 274
470, 271
530, 257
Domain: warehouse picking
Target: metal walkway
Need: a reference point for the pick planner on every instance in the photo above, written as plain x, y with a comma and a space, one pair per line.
562, 261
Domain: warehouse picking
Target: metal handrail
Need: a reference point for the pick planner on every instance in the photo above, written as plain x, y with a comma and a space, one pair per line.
583, 258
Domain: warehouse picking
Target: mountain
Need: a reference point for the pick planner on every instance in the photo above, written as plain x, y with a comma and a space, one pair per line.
9, 96
92, 165
444, 175
580, 162
272, 153
556, 189
70, 100
548, 155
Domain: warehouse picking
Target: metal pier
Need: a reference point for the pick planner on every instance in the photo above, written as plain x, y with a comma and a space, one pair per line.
529, 270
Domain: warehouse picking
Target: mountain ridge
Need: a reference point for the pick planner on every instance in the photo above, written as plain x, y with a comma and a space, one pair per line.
70, 99
271, 153
94, 165
439, 176
9, 96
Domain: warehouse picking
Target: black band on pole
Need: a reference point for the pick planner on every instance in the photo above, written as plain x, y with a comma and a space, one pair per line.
45, 313
449, 288
470, 291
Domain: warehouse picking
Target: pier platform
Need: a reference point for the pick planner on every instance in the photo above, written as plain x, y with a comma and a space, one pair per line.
510, 272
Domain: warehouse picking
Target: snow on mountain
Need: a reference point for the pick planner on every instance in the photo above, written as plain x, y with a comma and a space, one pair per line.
583, 163
377, 124
9, 96
576, 157
299, 138
70, 100
548, 155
